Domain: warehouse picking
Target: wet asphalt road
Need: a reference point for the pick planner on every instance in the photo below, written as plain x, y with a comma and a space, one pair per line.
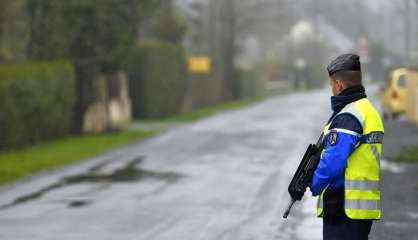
224, 177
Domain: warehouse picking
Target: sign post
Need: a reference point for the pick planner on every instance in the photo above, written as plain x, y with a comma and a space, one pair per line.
198, 65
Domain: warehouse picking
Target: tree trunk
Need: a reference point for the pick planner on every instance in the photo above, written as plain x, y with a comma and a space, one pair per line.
86, 75
230, 89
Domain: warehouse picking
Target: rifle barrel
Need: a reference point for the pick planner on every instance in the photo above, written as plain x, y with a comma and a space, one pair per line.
286, 213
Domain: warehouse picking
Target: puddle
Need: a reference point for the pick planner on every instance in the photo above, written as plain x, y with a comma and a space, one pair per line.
413, 215
78, 203
391, 166
129, 173
399, 224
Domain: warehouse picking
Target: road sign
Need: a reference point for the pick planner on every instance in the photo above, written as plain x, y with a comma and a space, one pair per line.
199, 65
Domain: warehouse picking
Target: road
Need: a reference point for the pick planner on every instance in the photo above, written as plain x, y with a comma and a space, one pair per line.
221, 178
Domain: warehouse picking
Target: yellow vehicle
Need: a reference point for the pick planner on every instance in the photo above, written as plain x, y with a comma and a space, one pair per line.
394, 97
412, 92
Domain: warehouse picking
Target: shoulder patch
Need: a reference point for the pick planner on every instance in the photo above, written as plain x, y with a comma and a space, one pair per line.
333, 137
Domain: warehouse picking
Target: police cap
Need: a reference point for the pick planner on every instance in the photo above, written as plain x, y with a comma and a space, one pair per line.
345, 62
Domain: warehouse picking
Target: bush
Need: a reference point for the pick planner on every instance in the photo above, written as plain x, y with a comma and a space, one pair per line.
157, 75
36, 102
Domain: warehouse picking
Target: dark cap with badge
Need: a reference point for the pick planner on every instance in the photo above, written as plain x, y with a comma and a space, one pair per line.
345, 62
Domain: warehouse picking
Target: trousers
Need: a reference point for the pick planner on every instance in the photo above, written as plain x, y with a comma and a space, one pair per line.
347, 229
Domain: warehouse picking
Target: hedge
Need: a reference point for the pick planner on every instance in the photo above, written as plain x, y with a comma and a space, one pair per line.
157, 75
36, 102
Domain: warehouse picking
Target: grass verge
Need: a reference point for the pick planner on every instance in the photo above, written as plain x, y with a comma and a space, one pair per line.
409, 155
21, 163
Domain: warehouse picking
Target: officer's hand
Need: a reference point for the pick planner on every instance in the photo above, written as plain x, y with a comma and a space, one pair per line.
314, 193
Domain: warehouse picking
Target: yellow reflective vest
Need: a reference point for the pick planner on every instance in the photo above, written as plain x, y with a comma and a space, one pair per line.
362, 174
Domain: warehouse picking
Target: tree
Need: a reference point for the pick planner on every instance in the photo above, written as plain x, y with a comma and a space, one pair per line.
95, 34
13, 31
168, 26
220, 28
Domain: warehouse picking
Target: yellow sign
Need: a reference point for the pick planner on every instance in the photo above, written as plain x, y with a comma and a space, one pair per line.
200, 64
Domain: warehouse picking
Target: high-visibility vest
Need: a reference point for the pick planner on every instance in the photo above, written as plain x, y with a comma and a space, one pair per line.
362, 174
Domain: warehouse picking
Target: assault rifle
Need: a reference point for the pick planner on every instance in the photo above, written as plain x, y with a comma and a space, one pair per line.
304, 173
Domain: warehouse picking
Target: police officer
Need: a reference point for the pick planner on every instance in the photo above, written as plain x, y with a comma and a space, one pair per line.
347, 177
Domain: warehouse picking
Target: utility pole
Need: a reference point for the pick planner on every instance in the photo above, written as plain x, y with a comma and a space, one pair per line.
407, 31
414, 31
286, 8
212, 27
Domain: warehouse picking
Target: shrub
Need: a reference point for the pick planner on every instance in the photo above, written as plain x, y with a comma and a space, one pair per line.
36, 102
157, 75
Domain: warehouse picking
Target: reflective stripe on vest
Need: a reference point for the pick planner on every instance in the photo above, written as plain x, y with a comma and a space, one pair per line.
361, 185
356, 204
362, 174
